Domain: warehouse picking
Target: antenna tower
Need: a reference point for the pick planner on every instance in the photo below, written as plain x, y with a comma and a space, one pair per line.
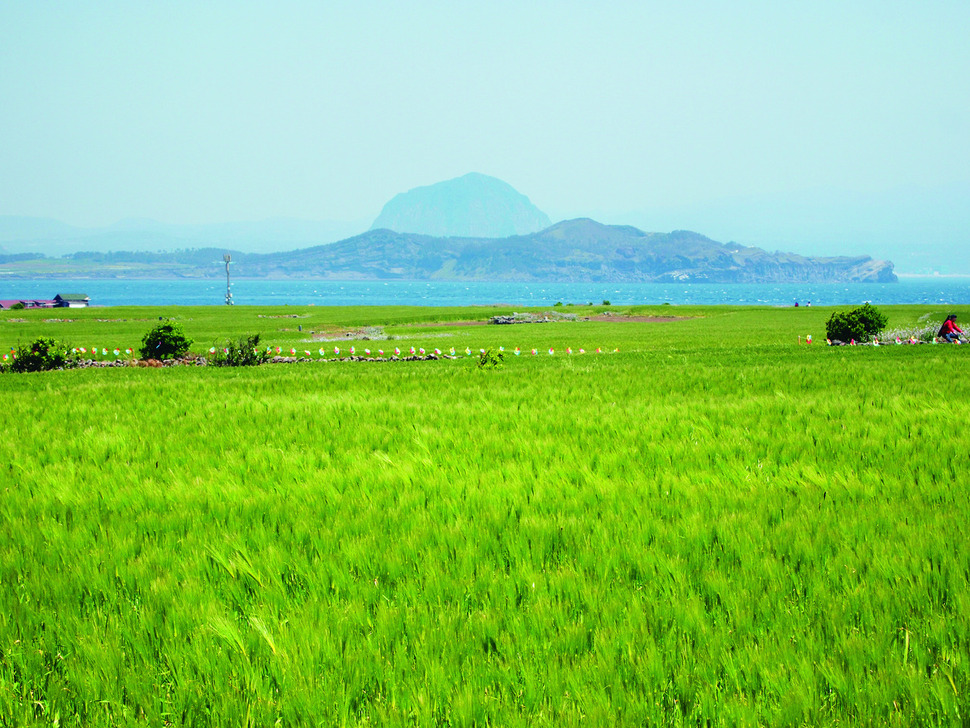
228, 259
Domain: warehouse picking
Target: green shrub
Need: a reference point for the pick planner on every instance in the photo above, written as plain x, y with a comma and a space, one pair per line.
242, 353
606, 302
17, 307
860, 324
165, 341
489, 359
42, 355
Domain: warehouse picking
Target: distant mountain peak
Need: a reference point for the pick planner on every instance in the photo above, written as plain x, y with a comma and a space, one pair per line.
471, 206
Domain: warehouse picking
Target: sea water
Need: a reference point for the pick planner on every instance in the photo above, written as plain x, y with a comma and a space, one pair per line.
261, 292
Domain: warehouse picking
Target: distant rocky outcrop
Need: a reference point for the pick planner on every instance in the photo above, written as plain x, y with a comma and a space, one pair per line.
473, 206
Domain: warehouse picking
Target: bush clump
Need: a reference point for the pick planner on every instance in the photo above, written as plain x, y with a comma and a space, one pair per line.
165, 341
860, 324
43, 355
489, 359
242, 353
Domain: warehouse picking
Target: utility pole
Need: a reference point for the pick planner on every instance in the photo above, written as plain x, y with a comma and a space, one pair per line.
228, 259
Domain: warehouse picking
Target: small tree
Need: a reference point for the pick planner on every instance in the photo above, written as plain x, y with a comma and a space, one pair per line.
42, 355
165, 341
860, 323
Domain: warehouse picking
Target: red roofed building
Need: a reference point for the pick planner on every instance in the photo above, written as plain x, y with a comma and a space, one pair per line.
27, 303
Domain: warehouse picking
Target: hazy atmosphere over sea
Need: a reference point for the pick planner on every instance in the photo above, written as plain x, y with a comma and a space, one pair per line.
822, 129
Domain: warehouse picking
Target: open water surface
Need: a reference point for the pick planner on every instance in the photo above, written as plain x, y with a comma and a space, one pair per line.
212, 292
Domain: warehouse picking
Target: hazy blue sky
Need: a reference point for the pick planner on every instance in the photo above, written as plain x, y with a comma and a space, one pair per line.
734, 118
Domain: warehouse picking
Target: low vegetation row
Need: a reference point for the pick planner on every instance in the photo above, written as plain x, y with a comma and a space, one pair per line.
167, 343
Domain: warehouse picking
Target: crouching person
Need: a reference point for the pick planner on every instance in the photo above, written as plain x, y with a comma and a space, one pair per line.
950, 331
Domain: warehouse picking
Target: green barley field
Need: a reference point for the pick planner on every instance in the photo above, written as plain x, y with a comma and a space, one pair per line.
705, 524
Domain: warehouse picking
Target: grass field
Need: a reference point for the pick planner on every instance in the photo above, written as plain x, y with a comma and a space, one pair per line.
714, 525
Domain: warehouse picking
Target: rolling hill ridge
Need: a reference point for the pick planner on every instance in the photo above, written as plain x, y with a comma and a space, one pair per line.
572, 250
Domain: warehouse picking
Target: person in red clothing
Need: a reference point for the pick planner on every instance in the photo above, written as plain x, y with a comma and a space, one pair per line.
949, 330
